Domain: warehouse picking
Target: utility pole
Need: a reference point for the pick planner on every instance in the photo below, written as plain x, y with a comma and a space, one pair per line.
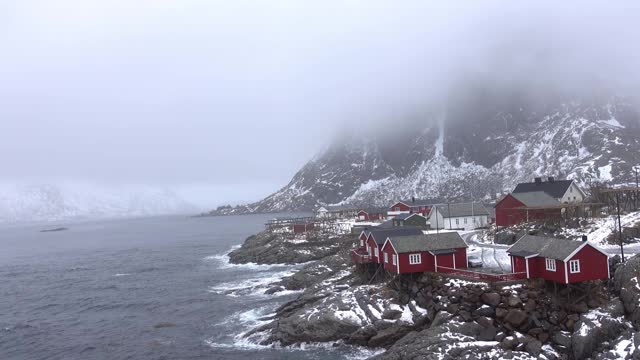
619, 226
449, 211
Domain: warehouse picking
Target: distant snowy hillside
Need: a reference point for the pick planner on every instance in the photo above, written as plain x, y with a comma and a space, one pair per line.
475, 147
19, 203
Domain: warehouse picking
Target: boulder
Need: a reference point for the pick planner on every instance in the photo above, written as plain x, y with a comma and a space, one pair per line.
533, 347
627, 284
485, 321
485, 310
388, 336
592, 330
516, 317
514, 301
491, 298
562, 338
441, 317
391, 314
487, 334
509, 343
501, 312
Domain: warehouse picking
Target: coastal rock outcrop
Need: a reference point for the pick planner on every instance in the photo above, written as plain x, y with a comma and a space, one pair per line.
283, 248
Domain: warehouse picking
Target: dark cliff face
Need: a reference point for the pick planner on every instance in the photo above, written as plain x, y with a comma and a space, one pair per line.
474, 147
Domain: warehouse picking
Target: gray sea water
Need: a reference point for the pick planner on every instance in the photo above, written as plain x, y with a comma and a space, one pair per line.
147, 288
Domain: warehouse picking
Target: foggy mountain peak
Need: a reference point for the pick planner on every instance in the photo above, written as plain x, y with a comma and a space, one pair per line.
449, 156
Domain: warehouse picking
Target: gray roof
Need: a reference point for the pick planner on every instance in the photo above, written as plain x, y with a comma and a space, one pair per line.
374, 210
431, 242
406, 216
381, 235
536, 198
421, 202
462, 209
556, 189
547, 247
385, 224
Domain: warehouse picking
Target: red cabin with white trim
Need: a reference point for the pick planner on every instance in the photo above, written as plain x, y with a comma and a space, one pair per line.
517, 208
424, 253
559, 260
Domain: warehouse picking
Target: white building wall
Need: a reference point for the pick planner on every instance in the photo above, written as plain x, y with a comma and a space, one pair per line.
572, 195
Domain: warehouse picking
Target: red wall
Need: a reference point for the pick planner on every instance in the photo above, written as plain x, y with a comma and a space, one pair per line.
300, 228
445, 260
363, 237
402, 207
373, 245
406, 268
594, 265
389, 266
507, 214
519, 264
461, 258
542, 272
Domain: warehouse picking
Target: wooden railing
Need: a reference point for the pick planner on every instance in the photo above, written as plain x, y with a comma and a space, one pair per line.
481, 276
360, 258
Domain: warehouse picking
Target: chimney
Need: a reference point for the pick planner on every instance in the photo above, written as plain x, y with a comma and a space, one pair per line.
584, 238
551, 179
538, 180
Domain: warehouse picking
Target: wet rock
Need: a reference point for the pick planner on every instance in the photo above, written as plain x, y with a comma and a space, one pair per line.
361, 336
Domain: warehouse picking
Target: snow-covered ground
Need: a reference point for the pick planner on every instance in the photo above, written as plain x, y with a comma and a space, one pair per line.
599, 230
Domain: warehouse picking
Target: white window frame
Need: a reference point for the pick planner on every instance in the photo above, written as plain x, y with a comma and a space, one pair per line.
397, 209
394, 259
577, 266
386, 257
457, 221
376, 251
550, 264
361, 243
415, 259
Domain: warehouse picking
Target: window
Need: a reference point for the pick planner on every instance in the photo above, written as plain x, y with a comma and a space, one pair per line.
397, 209
457, 221
465, 220
551, 264
361, 242
377, 253
386, 258
571, 189
394, 259
415, 259
574, 266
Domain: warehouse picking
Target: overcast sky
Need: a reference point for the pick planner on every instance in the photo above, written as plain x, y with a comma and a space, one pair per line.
229, 98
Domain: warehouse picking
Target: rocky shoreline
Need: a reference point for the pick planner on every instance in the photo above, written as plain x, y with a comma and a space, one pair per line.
432, 317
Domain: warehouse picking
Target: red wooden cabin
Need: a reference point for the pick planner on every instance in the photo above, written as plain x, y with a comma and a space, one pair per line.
413, 206
524, 207
559, 260
302, 227
424, 253
377, 237
372, 214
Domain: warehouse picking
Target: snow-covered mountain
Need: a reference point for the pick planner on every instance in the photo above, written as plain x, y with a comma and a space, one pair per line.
475, 147
48, 202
